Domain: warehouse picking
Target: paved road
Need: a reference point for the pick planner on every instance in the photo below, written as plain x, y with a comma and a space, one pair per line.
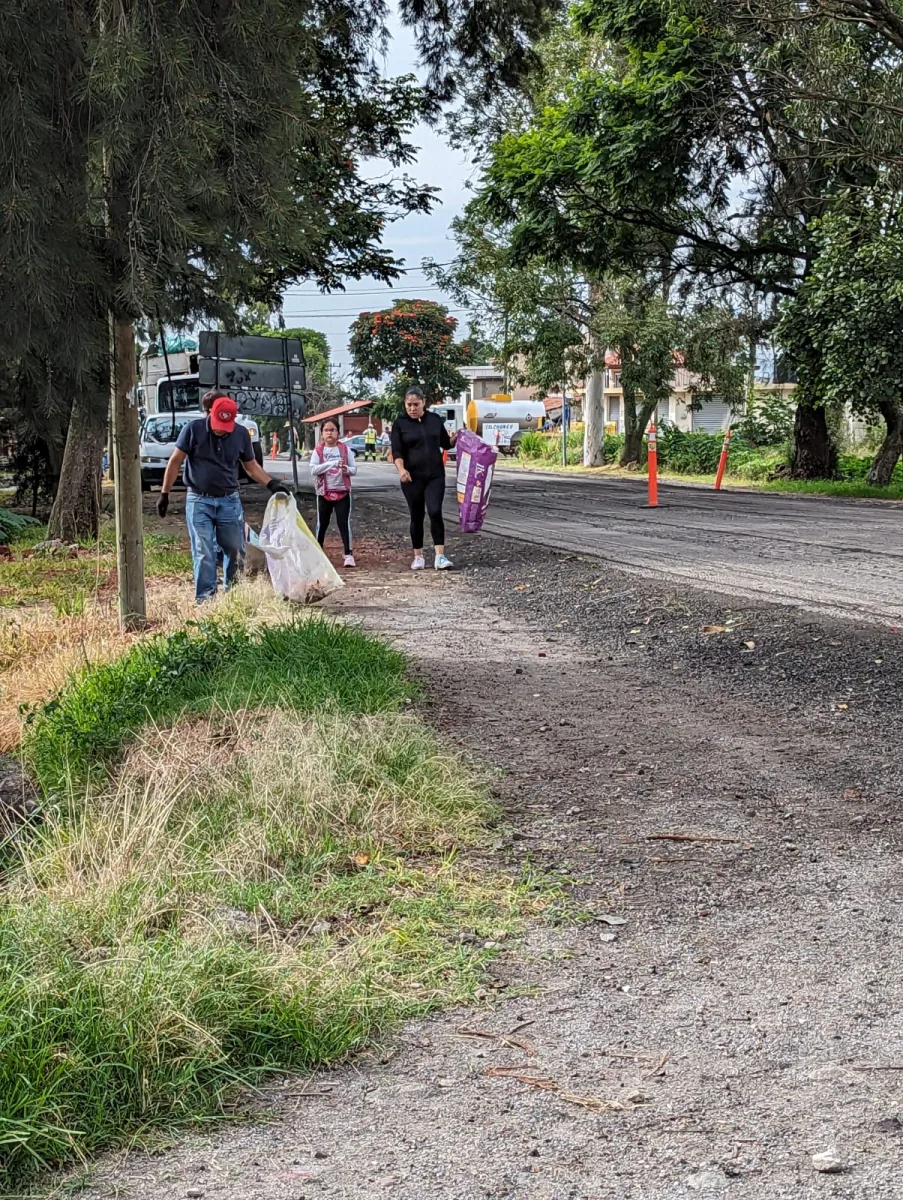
845, 557
842, 557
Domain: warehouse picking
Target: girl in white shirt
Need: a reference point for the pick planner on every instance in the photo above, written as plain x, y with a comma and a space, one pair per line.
332, 465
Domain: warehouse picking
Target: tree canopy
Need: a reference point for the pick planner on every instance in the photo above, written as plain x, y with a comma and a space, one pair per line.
414, 342
704, 139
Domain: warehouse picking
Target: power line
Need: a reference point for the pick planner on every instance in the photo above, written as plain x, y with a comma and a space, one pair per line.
388, 290
389, 286
348, 312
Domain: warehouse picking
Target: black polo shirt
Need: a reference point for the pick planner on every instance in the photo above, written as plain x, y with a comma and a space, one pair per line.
211, 465
419, 444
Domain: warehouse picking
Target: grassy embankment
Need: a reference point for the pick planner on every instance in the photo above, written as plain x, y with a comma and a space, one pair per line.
247, 860
693, 458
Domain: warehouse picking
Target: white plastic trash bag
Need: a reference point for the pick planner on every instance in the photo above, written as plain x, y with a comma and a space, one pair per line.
298, 567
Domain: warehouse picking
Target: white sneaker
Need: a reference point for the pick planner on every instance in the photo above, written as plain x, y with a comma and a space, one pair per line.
443, 563
419, 563
349, 561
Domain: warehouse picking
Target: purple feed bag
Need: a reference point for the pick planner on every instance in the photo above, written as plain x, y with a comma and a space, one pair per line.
476, 463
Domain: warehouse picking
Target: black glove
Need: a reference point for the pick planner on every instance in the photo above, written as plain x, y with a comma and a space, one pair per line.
276, 485
163, 504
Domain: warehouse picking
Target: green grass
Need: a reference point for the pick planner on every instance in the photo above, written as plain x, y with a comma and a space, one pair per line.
249, 894
31, 577
853, 489
307, 664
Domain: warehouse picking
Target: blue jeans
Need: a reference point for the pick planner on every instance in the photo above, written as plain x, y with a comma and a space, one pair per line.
214, 523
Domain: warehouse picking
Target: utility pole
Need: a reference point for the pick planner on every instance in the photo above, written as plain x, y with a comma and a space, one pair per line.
293, 449
505, 354
125, 452
127, 476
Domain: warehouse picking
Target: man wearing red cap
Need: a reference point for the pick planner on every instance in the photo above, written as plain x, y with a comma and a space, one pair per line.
210, 450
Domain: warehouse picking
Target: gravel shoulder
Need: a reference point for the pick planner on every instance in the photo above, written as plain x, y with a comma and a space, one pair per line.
744, 1017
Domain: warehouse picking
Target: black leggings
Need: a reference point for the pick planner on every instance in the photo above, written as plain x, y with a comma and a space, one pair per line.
342, 510
426, 496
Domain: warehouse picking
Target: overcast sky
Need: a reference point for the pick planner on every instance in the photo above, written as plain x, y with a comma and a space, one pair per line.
417, 237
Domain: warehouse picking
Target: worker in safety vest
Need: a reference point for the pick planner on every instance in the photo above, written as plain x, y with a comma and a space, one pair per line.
369, 443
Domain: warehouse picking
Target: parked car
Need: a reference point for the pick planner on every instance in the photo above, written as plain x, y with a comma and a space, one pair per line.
158, 440
355, 443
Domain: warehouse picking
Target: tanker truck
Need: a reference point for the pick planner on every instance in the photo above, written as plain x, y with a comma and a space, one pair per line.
499, 421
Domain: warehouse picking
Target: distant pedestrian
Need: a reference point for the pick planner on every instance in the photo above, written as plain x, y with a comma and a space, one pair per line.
209, 451
419, 440
332, 465
385, 443
369, 444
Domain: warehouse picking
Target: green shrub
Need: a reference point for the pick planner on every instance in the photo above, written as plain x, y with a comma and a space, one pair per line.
767, 422
12, 525
689, 453
532, 445
546, 447
614, 448
305, 664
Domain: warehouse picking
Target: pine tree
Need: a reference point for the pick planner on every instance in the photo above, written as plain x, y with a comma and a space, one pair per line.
177, 159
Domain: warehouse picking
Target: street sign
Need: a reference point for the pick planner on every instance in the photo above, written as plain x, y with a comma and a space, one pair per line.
265, 376
231, 374
261, 403
250, 348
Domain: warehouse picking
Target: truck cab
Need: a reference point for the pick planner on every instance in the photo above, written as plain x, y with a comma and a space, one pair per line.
160, 430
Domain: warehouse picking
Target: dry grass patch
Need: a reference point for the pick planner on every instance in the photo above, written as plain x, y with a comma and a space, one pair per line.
41, 649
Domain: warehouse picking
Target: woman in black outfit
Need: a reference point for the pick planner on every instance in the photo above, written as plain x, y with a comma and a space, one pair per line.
418, 441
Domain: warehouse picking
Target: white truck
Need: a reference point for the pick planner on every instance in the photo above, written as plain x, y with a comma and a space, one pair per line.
178, 401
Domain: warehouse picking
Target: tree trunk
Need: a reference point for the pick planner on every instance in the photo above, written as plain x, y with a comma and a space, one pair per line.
56, 456
76, 510
594, 421
814, 453
632, 452
888, 455
127, 478
635, 422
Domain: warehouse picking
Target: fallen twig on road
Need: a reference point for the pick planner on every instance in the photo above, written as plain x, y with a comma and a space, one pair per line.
503, 1039
658, 860
659, 1066
538, 1083
691, 837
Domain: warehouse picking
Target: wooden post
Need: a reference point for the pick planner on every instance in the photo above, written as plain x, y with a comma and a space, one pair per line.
125, 457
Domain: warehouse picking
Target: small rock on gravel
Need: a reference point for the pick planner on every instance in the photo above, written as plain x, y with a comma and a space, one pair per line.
708, 1181
828, 1162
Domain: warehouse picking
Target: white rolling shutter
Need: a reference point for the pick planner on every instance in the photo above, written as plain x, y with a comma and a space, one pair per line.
713, 417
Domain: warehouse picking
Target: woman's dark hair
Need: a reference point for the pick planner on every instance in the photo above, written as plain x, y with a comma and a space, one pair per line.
330, 421
415, 391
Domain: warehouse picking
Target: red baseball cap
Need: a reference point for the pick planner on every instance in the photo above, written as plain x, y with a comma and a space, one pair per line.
223, 412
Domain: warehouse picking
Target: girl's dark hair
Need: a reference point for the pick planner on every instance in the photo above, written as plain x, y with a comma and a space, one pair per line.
415, 391
330, 421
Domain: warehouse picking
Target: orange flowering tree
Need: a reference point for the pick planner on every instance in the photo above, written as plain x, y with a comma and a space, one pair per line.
414, 342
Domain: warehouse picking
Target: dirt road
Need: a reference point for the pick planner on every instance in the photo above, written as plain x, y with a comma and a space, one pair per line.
747, 1013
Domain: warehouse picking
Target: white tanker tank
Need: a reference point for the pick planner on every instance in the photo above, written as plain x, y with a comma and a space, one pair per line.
502, 421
